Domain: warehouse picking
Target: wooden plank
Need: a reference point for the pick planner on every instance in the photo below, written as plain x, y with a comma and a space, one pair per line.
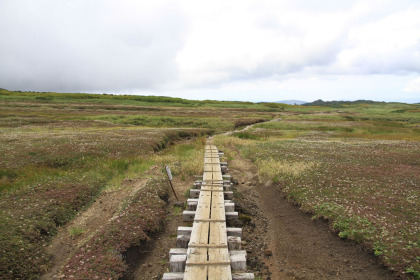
218, 236
203, 206
207, 255
199, 235
218, 233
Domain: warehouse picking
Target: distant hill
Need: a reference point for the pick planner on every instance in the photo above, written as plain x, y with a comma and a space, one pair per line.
292, 102
338, 104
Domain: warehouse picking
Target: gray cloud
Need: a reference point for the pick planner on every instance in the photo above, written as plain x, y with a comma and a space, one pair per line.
86, 45
164, 46
399, 62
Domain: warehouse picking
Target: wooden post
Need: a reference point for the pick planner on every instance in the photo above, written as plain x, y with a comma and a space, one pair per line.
168, 171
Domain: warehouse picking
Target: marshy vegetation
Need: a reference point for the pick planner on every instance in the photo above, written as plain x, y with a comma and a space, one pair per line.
61, 151
357, 165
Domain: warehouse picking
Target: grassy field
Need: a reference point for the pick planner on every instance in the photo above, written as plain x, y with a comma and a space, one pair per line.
60, 151
358, 166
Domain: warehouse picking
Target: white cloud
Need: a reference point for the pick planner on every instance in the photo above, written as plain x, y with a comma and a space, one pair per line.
413, 85
242, 40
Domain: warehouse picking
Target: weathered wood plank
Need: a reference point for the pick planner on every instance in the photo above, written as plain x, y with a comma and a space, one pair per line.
208, 253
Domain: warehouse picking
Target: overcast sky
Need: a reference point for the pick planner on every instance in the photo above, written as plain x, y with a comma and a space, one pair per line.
226, 50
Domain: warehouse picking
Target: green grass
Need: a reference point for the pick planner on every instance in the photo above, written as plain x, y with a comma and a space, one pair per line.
75, 231
168, 121
138, 100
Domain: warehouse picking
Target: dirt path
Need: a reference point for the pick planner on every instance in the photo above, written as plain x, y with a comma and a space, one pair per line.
284, 243
248, 127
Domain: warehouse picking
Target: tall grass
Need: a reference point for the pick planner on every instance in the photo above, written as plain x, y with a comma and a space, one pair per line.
184, 159
273, 169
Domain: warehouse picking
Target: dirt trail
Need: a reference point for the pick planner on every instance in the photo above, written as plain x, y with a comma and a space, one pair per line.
248, 127
284, 243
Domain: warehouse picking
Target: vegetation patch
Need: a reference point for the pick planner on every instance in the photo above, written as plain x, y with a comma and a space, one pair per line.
368, 190
272, 169
102, 256
364, 180
50, 173
246, 135
356, 164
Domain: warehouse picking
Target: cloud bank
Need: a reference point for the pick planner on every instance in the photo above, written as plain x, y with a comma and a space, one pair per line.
89, 45
234, 49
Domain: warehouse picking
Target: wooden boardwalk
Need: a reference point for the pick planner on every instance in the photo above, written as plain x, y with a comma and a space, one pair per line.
209, 250
207, 254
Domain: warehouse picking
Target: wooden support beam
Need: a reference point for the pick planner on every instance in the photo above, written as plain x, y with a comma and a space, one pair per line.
232, 216
177, 263
194, 193
238, 260
229, 230
234, 243
230, 207
177, 251
182, 241
234, 232
173, 276
243, 276
188, 216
